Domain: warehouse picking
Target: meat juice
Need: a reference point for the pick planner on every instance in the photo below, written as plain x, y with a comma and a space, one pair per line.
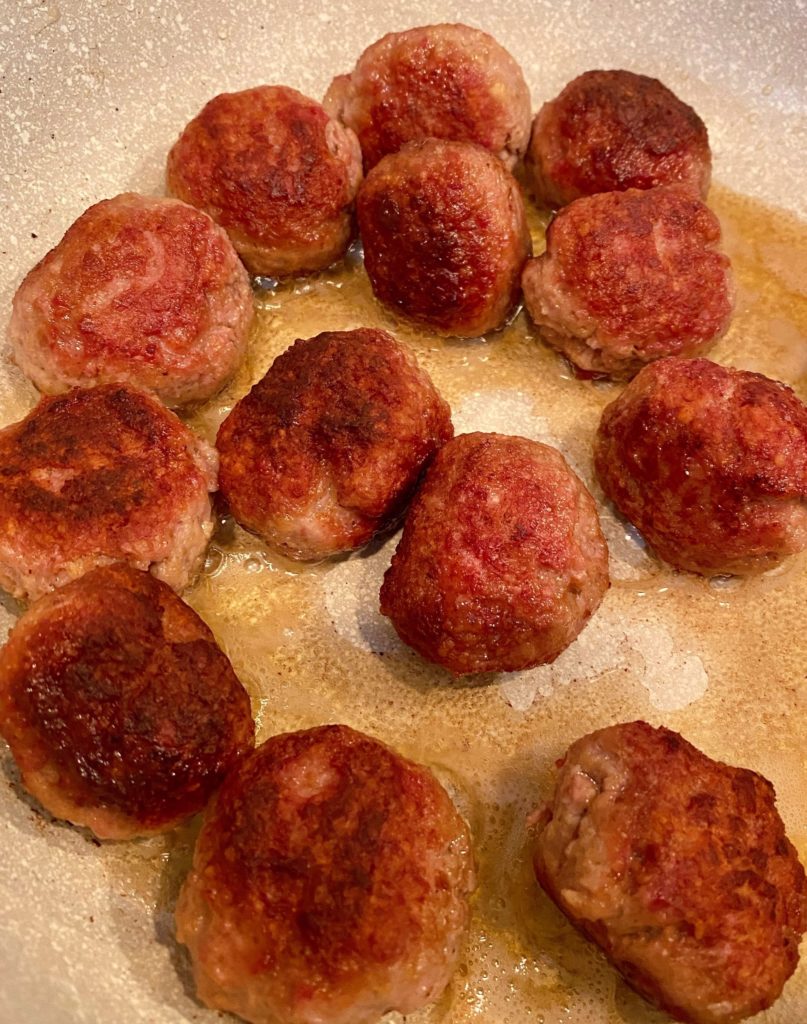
720, 661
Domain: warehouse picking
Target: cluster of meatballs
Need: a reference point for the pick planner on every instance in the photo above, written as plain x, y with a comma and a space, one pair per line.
331, 878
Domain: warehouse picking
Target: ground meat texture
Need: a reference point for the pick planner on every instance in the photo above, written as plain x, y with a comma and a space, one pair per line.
101, 475
330, 883
445, 236
276, 172
629, 277
710, 464
678, 867
502, 560
439, 81
327, 449
142, 290
121, 711
613, 130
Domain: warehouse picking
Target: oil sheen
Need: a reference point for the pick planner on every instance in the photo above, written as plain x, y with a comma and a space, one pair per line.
720, 661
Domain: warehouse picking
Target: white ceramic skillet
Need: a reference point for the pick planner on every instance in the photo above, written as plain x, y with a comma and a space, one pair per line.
92, 97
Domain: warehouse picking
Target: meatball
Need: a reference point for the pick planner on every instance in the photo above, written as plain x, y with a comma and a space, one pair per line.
121, 711
710, 464
147, 291
327, 449
439, 81
678, 867
330, 883
613, 130
502, 560
276, 172
629, 277
445, 236
101, 475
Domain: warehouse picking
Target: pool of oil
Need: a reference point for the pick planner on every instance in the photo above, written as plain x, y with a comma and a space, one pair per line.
721, 661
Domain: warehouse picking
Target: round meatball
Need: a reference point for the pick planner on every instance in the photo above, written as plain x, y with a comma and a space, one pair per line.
101, 475
629, 277
326, 450
710, 464
439, 81
120, 709
330, 883
276, 172
445, 236
502, 560
148, 291
613, 130
678, 867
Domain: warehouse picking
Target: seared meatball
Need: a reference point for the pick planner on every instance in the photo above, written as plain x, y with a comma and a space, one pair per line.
445, 236
121, 711
678, 867
439, 81
502, 560
143, 290
330, 883
101, 475
629, 277
326, 450
613, 130
276, 172
710, 464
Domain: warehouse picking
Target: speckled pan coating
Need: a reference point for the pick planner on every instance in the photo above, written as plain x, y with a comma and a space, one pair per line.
93, 96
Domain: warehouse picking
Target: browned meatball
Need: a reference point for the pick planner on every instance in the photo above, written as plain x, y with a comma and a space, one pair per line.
327, 449
445, 236
271, 167
629, 277
502, 560
710, 464
330, 883
121, 711
678, 867
143, 290
101, 475
613, 130
438, 81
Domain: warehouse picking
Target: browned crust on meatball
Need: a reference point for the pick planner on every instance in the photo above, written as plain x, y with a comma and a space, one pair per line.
613, 130
101, 475
438, 81
629, 277
679, 868
330, 881
143, 290
276, 172
121, 711
327, 449
710, 463
502, 560
445, 236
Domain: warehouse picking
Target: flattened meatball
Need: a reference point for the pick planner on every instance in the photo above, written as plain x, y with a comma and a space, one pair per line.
445, 236
501, 562
327, 449
613, 130
678, 867
330, 883
710, 464
140, 290
276, 172
120, 709
629, 277
439, 81
96, 476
